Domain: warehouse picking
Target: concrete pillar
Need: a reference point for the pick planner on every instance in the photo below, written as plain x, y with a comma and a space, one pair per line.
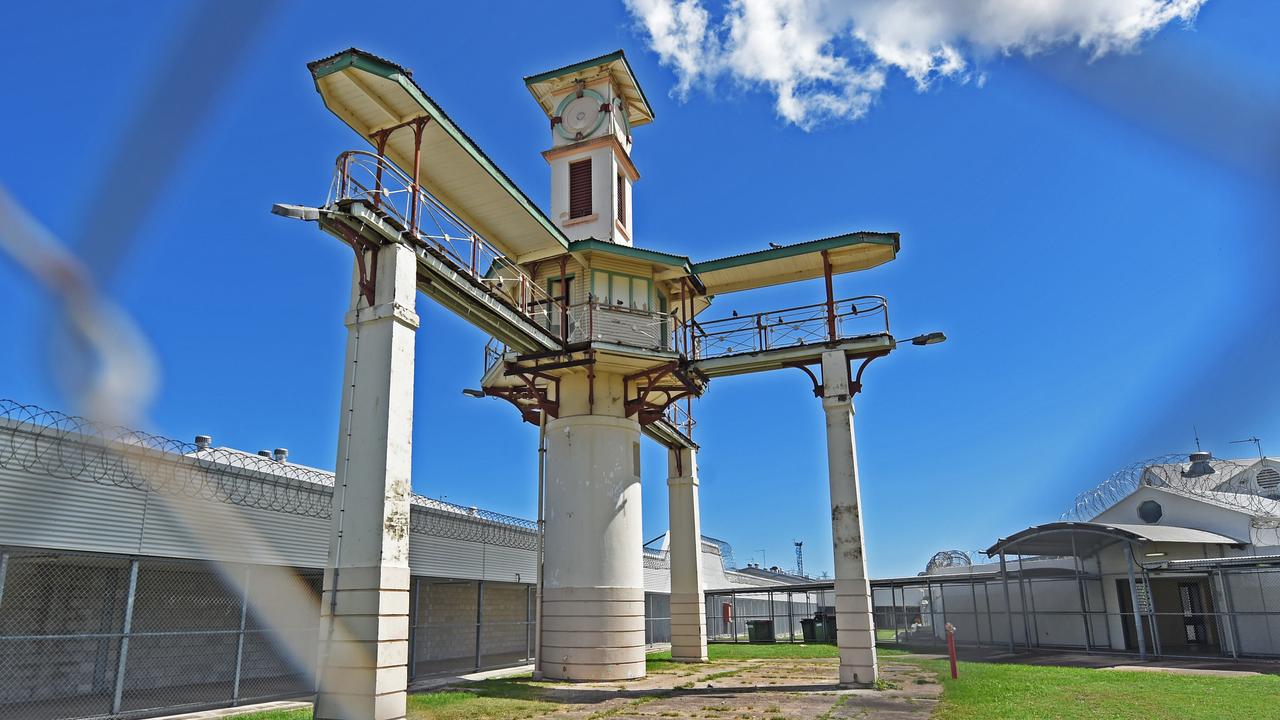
593, 593
855, 633
684, 545
364, 640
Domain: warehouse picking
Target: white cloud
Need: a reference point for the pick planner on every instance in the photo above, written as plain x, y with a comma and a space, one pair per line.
828, 59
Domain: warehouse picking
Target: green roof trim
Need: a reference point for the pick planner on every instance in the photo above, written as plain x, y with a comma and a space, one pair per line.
361, 60
593, 62
653, 256
632, 252
803, 248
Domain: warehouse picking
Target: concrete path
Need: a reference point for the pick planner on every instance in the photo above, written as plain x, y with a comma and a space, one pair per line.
1067, 658
772, 689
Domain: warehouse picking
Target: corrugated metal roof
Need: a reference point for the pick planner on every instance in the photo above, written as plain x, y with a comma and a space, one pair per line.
1081, 539
486, 222
800, 261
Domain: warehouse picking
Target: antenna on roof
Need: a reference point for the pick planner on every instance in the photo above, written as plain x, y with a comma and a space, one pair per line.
1197, 434
1256, 442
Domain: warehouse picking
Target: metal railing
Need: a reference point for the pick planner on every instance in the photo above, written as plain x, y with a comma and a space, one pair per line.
595, 321
366, 176
775, 329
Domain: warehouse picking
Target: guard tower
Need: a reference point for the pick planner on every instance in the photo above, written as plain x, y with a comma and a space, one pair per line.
596, 340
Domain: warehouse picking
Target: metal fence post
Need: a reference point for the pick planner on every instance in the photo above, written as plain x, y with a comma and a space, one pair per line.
1133, 599
1152, 615
769, 599
124, 637
791, 621
4, 572
414, 583
733, 615
1231, 615
1022, 598
973, 593
479, 617
933, 623
1008, 605
986, 600
244, 615
1076, 564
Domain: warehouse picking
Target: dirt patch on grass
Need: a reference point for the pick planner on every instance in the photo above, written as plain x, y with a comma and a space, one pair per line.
775, 689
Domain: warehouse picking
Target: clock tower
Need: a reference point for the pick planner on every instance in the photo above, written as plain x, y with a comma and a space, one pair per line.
593, 107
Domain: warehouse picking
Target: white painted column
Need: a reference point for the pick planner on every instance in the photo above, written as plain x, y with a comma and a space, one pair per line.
855, 634
593, 591
684, 545
364, 641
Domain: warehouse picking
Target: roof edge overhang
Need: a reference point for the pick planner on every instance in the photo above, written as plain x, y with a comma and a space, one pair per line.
368, 62
830, 243
617, 56
1115, 532
656, 257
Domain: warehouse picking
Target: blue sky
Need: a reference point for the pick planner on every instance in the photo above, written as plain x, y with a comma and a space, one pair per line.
1097, 239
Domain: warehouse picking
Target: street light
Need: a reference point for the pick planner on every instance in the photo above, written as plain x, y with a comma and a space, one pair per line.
932, 338
472, 392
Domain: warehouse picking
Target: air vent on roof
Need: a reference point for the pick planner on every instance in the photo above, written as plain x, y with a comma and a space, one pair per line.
1200, 465
1268, 478
204, 442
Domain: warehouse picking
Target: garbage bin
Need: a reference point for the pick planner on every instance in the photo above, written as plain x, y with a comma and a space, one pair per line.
813, 630
829, 628
760, 631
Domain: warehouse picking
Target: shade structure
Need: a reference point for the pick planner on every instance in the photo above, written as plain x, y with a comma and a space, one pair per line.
1084, 539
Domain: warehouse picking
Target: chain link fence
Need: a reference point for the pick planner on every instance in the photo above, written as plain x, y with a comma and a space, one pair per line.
1212, 609
95, 636
772, 614
85, 635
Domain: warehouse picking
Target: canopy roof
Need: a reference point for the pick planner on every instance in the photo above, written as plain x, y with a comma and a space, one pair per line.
801, 261
1083, 539
546, 86
370, 94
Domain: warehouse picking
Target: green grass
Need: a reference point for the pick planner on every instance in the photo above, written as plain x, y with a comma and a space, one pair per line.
985, 691
997, 691
744, 651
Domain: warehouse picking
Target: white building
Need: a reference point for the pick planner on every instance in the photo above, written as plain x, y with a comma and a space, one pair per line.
1192, 543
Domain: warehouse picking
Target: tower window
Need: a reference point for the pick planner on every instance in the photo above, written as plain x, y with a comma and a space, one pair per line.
580, 188
622, 199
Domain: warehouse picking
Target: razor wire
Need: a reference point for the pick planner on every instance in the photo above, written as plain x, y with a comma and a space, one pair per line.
70, 447
945, 559
1244, 486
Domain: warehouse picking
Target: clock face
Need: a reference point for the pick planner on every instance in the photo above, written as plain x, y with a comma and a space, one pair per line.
580, 116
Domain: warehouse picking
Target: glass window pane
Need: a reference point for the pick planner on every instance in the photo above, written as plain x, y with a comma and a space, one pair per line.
600, 286
620, 290
640, 293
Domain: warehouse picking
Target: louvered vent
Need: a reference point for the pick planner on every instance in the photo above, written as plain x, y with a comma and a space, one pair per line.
1268, 478
580, 188
622, 200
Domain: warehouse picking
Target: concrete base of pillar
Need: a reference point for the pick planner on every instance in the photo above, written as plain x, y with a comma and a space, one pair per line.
365, 656
593, 633
688, 628
855, 632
